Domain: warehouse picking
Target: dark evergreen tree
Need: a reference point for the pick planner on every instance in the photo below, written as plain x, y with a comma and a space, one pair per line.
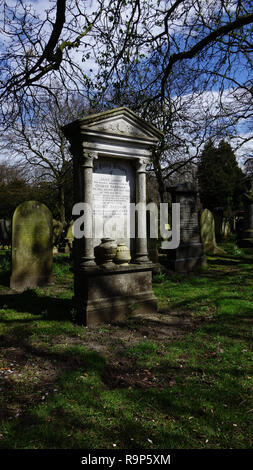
221, 181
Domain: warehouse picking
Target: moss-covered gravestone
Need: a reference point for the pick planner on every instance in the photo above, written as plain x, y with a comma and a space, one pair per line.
57, 231
32, 253
207, 231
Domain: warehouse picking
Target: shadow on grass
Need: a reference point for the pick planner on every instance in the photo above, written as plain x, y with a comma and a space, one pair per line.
94, 411
85, 414
28, 301
229, 262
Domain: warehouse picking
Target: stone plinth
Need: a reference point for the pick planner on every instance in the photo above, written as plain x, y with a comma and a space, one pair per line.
109, 295
189, 255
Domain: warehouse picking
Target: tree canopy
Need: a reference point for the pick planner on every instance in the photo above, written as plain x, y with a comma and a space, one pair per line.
221, 181
210, 37
184, 65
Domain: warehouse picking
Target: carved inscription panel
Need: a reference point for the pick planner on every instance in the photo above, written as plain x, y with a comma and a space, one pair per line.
189, 220
113, 190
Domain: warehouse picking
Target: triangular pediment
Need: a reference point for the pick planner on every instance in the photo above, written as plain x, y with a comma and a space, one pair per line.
120, 121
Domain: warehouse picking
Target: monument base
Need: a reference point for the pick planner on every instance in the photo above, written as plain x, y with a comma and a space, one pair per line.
104, 295
185, 258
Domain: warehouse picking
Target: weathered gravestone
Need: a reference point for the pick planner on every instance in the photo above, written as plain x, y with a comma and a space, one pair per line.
32, 254
207, 231
189, 255
110, 153
223, 224
57, 232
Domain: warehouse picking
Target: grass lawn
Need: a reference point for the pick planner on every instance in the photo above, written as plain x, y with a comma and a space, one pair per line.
181, 379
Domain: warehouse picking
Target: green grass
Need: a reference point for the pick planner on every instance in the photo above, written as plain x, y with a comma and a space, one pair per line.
126, 386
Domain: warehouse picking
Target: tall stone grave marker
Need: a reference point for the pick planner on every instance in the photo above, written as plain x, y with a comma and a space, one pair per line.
110, 153
32, 253
207, 225
189, 255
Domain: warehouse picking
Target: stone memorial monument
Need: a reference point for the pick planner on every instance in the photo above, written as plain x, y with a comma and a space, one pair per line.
189, 255
110, 152
207, 231
32, 250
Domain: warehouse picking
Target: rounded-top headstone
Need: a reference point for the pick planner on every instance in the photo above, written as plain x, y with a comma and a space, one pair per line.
207, 231
32, 253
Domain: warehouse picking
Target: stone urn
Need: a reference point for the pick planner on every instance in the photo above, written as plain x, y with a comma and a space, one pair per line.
123, 256
107, 250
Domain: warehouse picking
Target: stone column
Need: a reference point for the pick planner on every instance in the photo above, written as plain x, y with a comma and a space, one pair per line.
141, 250
88, 258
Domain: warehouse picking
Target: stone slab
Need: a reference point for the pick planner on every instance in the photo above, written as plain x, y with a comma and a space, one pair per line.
108, 295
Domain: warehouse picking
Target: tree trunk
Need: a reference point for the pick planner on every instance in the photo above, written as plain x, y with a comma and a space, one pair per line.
62, 204
159, 177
